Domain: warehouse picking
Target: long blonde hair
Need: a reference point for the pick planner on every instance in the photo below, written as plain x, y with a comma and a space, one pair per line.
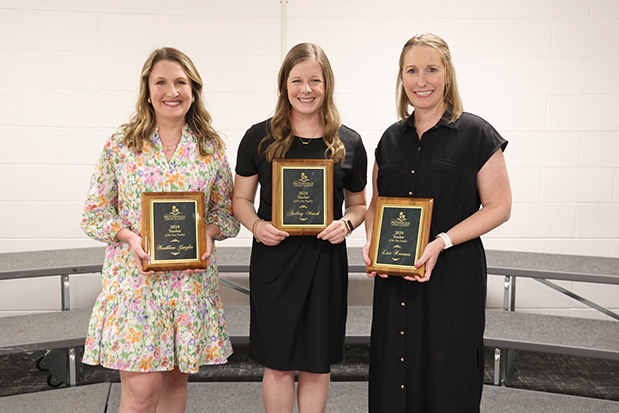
451, 96
280, 133
142, 123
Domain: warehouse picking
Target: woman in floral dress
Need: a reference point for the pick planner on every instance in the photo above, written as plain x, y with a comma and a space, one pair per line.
156, 328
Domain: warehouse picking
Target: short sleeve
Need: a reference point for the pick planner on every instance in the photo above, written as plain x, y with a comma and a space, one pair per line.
247, 160
490, 142
388, 136
357, 178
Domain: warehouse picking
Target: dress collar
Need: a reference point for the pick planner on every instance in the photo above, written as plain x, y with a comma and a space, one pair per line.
184, 132
444, 121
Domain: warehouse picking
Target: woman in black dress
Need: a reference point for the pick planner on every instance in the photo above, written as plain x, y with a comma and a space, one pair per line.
427, 349
299, 284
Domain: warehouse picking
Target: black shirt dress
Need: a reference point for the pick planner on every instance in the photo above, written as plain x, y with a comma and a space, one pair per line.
427, 349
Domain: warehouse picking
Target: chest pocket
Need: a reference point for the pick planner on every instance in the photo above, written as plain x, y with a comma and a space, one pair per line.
389, 179
390, 167
450, 167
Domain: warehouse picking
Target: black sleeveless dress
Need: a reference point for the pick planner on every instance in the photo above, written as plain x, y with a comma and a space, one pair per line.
427, 349
299, 288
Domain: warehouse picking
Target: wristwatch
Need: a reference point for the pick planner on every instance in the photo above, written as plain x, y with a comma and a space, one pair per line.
446, 240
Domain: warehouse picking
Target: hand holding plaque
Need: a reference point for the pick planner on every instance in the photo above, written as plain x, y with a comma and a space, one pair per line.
173, 229
399, 235
302, 195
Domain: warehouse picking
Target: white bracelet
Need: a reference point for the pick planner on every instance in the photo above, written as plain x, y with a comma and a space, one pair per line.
446, 240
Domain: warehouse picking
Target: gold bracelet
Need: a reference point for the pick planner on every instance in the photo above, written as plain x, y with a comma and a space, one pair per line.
254, 227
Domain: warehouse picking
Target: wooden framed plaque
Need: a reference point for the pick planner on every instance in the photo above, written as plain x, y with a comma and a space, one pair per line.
173, 230
400, 233
302, 195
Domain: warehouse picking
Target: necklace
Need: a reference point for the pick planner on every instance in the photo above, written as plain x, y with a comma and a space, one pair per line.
309, 139
169, 147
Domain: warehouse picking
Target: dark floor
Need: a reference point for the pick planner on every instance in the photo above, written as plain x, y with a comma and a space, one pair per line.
579, 376
536, 371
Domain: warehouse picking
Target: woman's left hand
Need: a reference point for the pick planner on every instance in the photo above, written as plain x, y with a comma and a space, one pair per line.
205, 256
335, 233
429, 258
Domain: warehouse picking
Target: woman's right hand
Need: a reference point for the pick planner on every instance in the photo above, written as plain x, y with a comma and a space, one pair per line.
135, 243
268, 234
139, 254
366, 258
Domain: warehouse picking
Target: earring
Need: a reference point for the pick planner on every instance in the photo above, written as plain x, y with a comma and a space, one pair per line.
148, 100
193, 99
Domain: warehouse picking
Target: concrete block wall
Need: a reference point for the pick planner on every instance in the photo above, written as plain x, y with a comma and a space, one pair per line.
543, 72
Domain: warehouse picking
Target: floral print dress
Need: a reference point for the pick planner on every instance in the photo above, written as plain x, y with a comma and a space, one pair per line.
154, 323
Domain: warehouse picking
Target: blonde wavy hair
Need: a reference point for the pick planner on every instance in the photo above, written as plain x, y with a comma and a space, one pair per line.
142, 123
451, 95
280, 133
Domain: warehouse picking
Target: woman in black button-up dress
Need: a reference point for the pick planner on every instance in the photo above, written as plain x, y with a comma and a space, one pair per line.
427, 348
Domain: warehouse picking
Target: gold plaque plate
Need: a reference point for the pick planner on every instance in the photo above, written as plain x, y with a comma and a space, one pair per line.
173, 230
302, 195
400, 233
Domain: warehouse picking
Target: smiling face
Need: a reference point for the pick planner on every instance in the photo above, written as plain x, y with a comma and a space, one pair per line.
170, 92
423, 78
306, 88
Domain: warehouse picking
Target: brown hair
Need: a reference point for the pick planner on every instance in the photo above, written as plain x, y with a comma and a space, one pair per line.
280, 135
451, 96
142, 123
